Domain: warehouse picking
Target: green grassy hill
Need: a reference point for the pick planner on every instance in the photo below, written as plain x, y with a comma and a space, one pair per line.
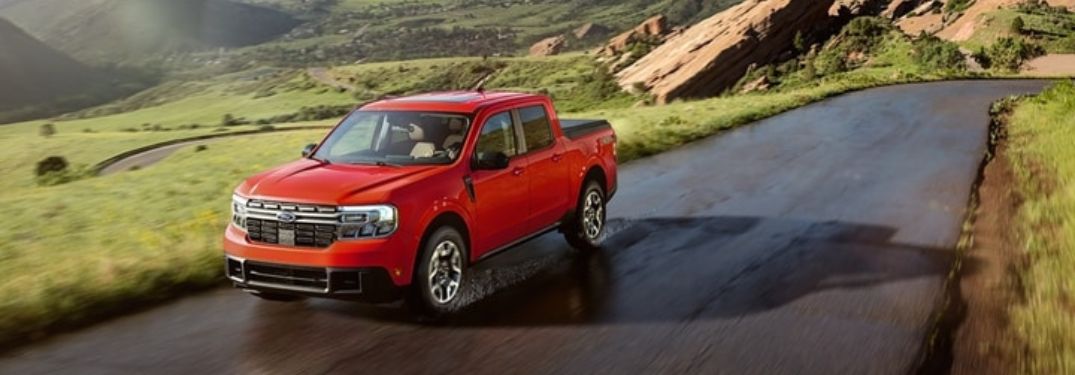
322, 32
126, 30
344, 31
40, 81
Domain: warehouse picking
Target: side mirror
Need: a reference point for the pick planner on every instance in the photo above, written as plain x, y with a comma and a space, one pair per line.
491, 161
309, 149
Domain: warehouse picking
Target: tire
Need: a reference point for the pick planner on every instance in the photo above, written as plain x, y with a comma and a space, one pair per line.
585, 229
440, 277
276, 297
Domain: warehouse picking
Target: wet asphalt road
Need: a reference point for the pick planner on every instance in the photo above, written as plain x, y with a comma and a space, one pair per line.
815, 242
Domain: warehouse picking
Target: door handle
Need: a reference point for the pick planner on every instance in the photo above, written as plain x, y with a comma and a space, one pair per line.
517, 171
557, 157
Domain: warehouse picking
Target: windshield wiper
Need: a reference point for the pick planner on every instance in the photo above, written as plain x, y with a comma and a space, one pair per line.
378, 163
387, 164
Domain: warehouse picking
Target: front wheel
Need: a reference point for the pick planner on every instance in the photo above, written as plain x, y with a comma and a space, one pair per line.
586, 227
441, 273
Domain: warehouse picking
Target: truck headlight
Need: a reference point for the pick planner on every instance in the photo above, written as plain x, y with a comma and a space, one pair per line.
361, 222
238, 212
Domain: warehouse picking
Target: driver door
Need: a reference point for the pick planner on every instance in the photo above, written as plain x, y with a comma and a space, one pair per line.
501, 196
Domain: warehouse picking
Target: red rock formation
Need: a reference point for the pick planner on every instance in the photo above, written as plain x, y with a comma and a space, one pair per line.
655, 27
712, 55
548, 46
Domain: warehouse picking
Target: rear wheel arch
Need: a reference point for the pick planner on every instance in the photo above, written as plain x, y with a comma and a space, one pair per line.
595, 173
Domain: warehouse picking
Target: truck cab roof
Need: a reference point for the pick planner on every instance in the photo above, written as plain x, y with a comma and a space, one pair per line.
449, 101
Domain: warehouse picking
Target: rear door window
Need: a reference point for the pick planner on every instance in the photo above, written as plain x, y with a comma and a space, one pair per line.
536, 129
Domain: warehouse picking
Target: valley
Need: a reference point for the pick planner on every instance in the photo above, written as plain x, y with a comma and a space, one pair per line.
91, 81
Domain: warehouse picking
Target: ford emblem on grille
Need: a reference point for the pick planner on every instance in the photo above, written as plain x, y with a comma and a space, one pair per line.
286, 217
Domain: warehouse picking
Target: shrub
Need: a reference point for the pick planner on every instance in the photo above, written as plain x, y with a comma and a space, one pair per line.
200, 148
47, 130
933, 53
809, 72
829, 63
54, 170
1008, 54
862, 35
50, 164
799, 43
230, 120
1017, 26
957, 6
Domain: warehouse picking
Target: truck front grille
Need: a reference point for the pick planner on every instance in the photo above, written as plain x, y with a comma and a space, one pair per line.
307, 235
312, 226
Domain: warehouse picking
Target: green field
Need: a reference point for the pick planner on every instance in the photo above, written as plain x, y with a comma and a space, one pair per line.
1042, 132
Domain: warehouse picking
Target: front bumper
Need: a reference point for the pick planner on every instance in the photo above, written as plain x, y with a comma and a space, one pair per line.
392, 256
366, 284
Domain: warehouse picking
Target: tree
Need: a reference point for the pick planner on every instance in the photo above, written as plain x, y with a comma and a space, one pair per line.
800, 42
47, 130
1018, 25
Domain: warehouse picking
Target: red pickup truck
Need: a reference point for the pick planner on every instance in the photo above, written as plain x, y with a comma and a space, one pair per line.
405, 194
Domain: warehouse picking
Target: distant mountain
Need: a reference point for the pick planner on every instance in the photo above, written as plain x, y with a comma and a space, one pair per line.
125, 30
37, 80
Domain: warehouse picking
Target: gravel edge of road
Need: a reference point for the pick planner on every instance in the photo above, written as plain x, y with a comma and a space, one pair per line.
950, 348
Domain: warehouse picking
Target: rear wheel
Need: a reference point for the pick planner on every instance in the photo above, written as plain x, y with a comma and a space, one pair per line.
441, 273
586, 227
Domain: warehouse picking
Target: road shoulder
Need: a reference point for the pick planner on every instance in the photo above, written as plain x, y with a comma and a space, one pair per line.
986, 343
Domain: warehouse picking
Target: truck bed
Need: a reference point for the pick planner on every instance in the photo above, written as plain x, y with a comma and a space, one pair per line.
575, 129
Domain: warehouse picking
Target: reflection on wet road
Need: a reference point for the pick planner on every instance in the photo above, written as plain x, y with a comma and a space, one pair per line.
815, 242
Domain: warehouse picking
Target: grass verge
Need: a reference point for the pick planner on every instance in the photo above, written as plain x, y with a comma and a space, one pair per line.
1041, 137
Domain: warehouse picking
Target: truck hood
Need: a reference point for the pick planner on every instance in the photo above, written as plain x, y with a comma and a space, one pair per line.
309, 181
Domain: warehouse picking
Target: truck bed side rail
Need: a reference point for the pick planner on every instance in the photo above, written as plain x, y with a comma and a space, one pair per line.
575, 129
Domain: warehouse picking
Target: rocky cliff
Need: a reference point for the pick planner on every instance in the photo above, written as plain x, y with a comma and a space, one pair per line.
650, 30
713, 55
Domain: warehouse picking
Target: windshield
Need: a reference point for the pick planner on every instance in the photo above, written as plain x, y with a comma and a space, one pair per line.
398, 138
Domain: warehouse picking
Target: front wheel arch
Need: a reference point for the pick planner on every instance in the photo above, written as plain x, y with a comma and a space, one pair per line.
448, 218
421, 296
